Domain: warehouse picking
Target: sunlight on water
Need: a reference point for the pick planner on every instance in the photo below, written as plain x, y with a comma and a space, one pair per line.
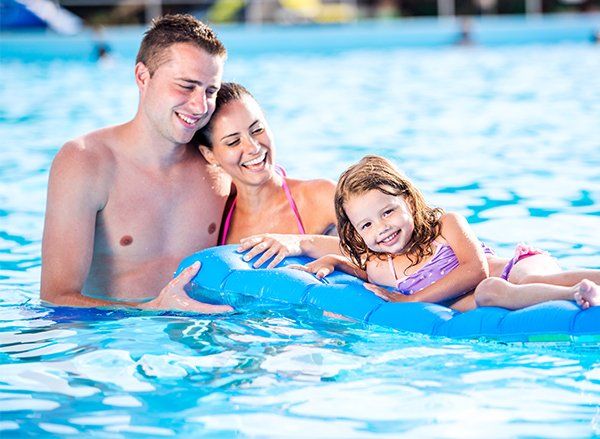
507, 136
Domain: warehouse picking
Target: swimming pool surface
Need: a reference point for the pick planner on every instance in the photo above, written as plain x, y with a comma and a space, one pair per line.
508, 135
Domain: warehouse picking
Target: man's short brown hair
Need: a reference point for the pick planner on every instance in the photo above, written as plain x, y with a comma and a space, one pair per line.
172, 29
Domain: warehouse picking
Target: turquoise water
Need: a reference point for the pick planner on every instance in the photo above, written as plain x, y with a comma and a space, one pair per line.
506, 135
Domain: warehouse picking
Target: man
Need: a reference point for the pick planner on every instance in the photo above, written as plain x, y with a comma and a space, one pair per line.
126, 203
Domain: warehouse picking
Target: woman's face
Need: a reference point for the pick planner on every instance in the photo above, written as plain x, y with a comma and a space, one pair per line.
242, 142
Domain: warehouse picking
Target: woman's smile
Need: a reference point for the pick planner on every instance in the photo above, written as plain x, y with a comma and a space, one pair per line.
257, 163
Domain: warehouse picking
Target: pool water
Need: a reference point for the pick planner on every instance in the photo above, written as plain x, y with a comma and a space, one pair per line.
508, 136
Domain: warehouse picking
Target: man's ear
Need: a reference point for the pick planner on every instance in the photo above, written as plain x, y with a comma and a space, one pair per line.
142, 75
209, 156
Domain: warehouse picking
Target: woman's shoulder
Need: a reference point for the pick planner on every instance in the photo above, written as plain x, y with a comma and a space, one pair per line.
316, 184
319, 190
315, 202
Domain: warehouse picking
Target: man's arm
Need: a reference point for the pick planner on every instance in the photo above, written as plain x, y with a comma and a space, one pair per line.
76, 192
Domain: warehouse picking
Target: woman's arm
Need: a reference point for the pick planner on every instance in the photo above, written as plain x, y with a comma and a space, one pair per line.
314, 199
472, 268
279, 246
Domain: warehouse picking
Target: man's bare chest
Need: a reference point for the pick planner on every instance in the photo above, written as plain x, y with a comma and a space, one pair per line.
152, 220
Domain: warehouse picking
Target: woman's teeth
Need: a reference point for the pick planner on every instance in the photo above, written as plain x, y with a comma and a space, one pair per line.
256, 161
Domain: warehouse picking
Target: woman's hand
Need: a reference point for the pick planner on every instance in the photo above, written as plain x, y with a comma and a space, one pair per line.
321, 267
388, 296
271, 245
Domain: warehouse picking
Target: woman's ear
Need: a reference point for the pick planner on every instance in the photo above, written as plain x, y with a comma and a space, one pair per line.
208, 155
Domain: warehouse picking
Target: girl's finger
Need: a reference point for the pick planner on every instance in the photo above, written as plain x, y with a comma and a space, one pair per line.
322, 272
296, 267
377, 291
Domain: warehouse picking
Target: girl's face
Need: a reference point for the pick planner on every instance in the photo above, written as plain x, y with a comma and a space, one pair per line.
384, 221
242, 142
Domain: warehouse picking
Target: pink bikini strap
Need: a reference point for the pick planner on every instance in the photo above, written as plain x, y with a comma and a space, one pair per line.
227, 222
288, 195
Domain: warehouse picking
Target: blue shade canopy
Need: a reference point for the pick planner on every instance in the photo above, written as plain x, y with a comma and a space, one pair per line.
18, 14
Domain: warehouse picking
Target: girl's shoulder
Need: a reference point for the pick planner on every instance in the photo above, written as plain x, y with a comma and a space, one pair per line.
451, 217
380, 270
452, 222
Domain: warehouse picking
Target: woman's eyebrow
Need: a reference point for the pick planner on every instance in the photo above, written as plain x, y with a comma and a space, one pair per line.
229, 135
237, 134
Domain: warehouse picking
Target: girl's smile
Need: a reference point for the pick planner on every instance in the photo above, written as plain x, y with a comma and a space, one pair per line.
383, 221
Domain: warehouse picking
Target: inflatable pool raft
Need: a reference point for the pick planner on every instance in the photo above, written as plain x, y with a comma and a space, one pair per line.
226, 278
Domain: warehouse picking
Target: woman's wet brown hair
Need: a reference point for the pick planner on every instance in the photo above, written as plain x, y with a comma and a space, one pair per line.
377, 173
229, 92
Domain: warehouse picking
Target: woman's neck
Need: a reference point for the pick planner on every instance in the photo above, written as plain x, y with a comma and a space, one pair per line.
251, 199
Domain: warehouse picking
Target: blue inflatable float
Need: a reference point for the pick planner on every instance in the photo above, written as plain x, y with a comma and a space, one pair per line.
226, 278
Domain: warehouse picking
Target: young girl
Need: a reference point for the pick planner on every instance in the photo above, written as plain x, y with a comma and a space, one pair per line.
393, 238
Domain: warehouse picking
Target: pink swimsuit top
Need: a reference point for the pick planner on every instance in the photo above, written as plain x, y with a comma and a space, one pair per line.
288, 195
442, 262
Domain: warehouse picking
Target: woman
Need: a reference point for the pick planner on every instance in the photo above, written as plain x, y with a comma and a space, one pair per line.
267, 212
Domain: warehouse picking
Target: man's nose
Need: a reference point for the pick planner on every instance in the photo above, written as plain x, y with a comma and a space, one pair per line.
198, 102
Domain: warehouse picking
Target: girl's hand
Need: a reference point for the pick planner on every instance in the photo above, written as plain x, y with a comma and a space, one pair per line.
388, 296
271, 245
321, 267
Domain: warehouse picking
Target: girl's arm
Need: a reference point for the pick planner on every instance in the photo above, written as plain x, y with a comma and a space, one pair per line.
325, 265
472, 268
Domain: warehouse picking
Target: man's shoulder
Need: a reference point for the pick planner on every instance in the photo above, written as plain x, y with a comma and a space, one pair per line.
90, 151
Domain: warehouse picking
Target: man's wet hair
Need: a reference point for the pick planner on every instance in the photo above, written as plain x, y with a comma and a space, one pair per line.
172, 29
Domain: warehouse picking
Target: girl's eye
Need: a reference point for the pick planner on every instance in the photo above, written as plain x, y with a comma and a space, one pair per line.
365, 226
387, 212
233, 142
258, 130
187, 87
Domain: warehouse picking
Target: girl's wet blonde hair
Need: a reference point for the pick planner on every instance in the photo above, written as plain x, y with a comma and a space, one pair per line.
374, 172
